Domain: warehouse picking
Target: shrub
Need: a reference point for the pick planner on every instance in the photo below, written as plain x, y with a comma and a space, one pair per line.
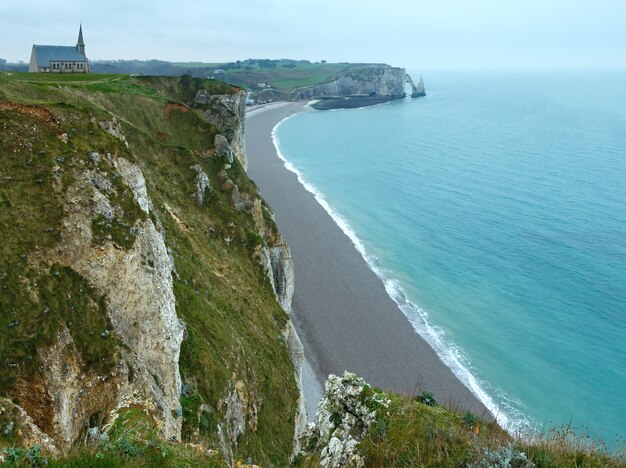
426, 398
469, 419
21, 457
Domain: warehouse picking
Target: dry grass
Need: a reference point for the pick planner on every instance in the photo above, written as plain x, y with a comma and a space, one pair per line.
416, 434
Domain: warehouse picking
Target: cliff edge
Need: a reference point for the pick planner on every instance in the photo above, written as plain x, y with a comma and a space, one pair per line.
368, 85
144, 287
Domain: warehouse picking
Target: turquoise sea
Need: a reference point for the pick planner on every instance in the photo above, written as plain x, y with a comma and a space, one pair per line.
495, 210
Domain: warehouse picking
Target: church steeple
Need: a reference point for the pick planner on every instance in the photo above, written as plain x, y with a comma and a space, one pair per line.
80, 45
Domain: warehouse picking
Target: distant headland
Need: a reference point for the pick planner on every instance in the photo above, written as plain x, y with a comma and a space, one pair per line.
334, 85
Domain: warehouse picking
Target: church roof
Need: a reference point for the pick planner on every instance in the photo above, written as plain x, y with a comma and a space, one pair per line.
47, 53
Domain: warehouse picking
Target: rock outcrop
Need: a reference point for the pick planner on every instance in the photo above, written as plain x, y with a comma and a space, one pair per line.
275, 257
343, 418
137, 285
416, 91
374, 80
419, 90
278, 265
113, 127
203, 184
241, 414
228, 113
223, 149
296, 351
93, 348
16, 423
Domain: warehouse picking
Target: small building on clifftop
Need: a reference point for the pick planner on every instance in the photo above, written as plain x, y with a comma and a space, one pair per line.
60, 59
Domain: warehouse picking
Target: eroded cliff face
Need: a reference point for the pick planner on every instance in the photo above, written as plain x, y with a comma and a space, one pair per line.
419, 90
275, 257
151, 278
137, 284
379, 80
416, 91
124, 259
227, 112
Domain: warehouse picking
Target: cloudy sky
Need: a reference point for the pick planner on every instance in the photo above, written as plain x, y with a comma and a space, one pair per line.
417, 34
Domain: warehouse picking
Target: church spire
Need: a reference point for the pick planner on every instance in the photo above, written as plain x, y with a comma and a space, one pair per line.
80, 45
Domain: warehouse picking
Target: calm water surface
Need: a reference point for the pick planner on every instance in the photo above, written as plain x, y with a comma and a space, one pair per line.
495, 208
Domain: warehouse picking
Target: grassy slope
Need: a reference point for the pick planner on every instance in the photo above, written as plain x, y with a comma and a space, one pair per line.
285, 79
417, 432
233, 320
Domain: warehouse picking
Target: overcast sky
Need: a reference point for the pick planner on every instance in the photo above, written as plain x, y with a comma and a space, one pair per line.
416, 34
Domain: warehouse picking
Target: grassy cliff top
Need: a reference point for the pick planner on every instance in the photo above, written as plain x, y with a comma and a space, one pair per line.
284, 78
286, 75
164, 87
50, 130
282, 75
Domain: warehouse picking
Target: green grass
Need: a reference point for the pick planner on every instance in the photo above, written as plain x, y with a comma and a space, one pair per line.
419, 434
285, 76
233, 320
412, 433
306, 75
38, 299
55, 78
134, 441
285, 79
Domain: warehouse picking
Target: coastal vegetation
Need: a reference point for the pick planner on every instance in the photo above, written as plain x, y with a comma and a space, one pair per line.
418, 434
357, 425
283, 75
67, 141
50, 138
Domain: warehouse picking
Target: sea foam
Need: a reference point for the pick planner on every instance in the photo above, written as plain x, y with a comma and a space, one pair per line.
506, 415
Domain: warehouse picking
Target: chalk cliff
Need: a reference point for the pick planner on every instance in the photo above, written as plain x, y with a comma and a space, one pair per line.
370, 80
147, 285
137, 283
418, 90
228, 112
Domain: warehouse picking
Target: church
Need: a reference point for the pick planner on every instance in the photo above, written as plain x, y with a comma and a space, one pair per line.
60, 59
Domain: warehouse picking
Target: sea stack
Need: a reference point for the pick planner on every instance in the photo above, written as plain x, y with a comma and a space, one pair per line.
419, 90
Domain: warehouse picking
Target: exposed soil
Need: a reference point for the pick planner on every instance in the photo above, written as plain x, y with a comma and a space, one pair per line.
175, 106
38, 112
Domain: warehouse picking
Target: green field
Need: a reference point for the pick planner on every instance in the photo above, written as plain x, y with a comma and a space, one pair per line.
285, 79
59, 77
281, 75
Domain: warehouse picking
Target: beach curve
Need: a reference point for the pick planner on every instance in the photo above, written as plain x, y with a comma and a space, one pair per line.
342, 310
